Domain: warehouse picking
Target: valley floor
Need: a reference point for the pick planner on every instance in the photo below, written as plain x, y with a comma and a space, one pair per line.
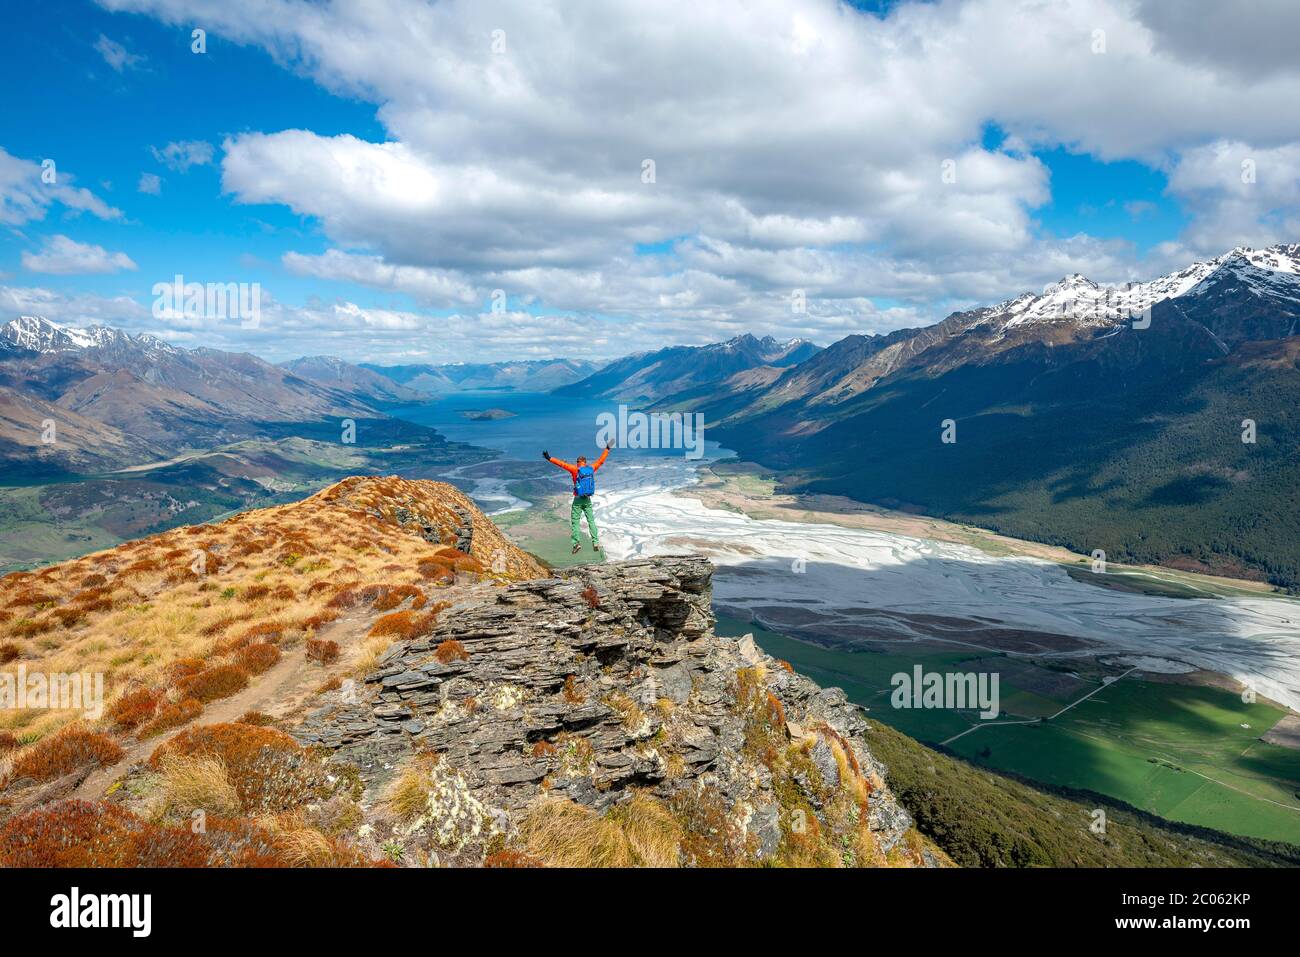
869, 593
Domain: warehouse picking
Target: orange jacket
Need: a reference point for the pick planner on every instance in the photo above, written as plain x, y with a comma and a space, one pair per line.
573, 469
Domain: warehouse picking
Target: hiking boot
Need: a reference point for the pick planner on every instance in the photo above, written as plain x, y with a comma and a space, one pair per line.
577, 547
595, 546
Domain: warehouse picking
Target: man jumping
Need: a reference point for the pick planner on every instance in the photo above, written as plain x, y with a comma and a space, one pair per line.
584, 486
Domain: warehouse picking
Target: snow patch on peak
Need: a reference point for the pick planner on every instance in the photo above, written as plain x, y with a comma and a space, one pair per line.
1274, 271
38, 334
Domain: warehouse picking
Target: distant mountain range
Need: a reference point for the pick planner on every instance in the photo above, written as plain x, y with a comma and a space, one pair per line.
360, 382
648, 376
531, 375
1086, 416
120, 400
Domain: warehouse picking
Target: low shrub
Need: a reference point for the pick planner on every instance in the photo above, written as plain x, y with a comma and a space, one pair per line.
135, 708
317, 621
68, 617
213, 683
350, 597
170, 715
100, 834
257, 658
571, 692
31, 627
510, 859
269, 770
322, 650
66, 750
184, 667
398, 594
30, 599
407, 624
95, 834
449, 651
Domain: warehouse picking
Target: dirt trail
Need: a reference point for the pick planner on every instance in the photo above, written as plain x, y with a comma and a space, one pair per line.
279, 692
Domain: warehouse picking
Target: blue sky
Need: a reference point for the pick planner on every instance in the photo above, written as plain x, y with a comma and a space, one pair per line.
429, 173
66, 102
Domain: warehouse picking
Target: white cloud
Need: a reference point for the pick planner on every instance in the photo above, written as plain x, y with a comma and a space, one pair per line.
150, 184
796, 144
116, 55
75, 309
1244, 195
428, 286
181, 156
26, 193
64, 256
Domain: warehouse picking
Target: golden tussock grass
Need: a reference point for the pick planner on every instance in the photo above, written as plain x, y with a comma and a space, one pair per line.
198, 782
200, 593
408, 794
640, 833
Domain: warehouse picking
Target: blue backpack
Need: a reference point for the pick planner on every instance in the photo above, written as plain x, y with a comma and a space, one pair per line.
585, 483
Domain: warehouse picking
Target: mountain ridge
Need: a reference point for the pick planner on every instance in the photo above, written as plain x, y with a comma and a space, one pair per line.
504, 715
155, 400
656, 374
1053, 415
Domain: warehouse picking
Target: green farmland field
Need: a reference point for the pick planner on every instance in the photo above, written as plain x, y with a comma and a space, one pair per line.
1184, 752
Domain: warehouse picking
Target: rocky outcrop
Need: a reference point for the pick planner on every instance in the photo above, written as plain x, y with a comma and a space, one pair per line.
605, 682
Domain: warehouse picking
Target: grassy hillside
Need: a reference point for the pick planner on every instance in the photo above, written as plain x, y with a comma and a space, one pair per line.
981, 819
1188, 753
1148, 465
53, 519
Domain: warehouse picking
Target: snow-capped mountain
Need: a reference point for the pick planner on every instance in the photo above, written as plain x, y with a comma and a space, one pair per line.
165, 398
1274, 271
1077, 421
38, 334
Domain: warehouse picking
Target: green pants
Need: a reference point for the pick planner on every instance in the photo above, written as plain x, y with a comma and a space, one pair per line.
582, 506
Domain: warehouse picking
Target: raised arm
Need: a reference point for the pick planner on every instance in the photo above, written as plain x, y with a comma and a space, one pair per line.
600, 461
571, 469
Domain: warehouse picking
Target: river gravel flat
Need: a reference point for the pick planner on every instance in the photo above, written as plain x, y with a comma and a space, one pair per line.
835, 579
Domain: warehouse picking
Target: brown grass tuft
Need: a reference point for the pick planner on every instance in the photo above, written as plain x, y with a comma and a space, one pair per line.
560, 833
322, 651
200, 781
